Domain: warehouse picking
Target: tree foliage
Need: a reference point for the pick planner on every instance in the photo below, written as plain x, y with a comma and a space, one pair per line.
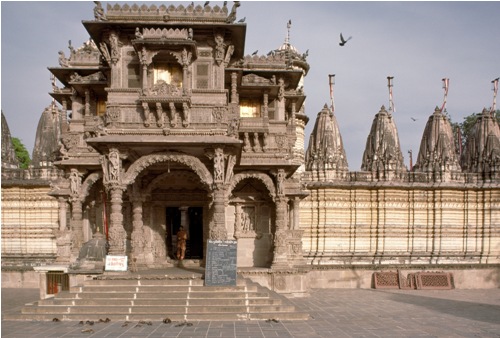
21, 153
466, 126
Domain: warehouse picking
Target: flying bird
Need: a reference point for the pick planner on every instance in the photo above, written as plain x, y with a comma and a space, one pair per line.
255, 53
343, 41
413, 119
242, 20
206, 4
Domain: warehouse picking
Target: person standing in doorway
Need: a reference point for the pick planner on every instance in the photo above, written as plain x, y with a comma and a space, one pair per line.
181, 243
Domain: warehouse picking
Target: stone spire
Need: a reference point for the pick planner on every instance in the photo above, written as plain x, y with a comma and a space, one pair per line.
482, 149
9, 159
383, 153
47, 138
437, 148
326, 150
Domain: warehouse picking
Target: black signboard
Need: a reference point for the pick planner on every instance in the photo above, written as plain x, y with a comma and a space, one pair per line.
220, 267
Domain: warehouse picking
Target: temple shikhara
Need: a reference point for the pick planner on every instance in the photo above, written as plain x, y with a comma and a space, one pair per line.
161, 120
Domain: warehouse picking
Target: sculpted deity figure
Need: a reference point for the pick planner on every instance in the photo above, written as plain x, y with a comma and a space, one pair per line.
219, 165
138, 33
220, 47
63, 62
75, 181
280, 178
99, 11
114, 165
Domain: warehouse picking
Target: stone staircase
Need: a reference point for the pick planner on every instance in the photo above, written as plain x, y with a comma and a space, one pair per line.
155, 298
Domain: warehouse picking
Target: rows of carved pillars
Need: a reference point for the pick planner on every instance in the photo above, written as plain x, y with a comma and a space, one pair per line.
217, 230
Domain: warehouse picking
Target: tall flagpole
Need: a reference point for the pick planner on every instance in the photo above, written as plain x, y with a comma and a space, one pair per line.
495, 92
391, 98
331, 78
446, 84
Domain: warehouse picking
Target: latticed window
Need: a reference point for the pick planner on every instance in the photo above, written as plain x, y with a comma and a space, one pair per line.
202, 76
134, 76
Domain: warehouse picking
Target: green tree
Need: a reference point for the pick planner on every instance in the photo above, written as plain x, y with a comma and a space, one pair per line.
466, 126
21, 153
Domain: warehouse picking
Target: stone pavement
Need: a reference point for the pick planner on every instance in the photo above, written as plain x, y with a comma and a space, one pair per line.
334, 313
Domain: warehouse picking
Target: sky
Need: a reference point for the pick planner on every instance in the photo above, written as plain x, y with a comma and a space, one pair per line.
418, 43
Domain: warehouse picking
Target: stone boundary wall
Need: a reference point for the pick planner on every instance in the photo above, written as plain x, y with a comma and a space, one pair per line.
362, 278
383, 225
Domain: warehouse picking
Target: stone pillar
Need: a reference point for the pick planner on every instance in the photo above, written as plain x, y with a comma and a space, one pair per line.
296, 213
280, 258
292, 117
237, 220
266, 106
137, 236
116, 230
87, 102
218, 230
144, 77
234, 86
76, 227
63, 209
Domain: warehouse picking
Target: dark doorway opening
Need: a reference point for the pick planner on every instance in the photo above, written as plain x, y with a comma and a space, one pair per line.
194, 227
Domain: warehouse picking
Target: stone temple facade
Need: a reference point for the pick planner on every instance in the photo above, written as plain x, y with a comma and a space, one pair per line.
162, 121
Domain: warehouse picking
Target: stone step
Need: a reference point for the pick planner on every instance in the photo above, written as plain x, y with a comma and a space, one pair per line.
190, 309
134, 318
156, 302
159, 288
165, 281
164, 295
129, 300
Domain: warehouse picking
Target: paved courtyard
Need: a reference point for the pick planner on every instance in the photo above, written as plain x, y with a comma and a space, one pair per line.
334, 313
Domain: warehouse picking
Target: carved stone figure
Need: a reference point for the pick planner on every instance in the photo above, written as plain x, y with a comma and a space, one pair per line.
63, 62
99, 11
75, 181
114, 165
219, 165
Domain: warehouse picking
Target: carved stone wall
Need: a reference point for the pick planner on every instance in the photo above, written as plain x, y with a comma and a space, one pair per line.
30, 219
401, 225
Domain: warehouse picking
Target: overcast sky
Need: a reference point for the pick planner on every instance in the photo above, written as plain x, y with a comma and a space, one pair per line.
419, 43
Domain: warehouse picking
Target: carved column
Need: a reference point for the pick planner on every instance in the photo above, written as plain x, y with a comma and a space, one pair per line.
137, 236
63, 209
237, 220
144, 76
234, 86
64, 115
116, 231
296, 213
266, 106
87, 102
280, 258
76, 226
218, 230
294, 103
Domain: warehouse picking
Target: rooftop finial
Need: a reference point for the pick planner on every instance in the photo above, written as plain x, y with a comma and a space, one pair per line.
288, 26
391, 98
446, 84
331, 78
495, 92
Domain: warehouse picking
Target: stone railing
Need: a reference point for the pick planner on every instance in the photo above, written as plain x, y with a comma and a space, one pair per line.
161, 13
31, 174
